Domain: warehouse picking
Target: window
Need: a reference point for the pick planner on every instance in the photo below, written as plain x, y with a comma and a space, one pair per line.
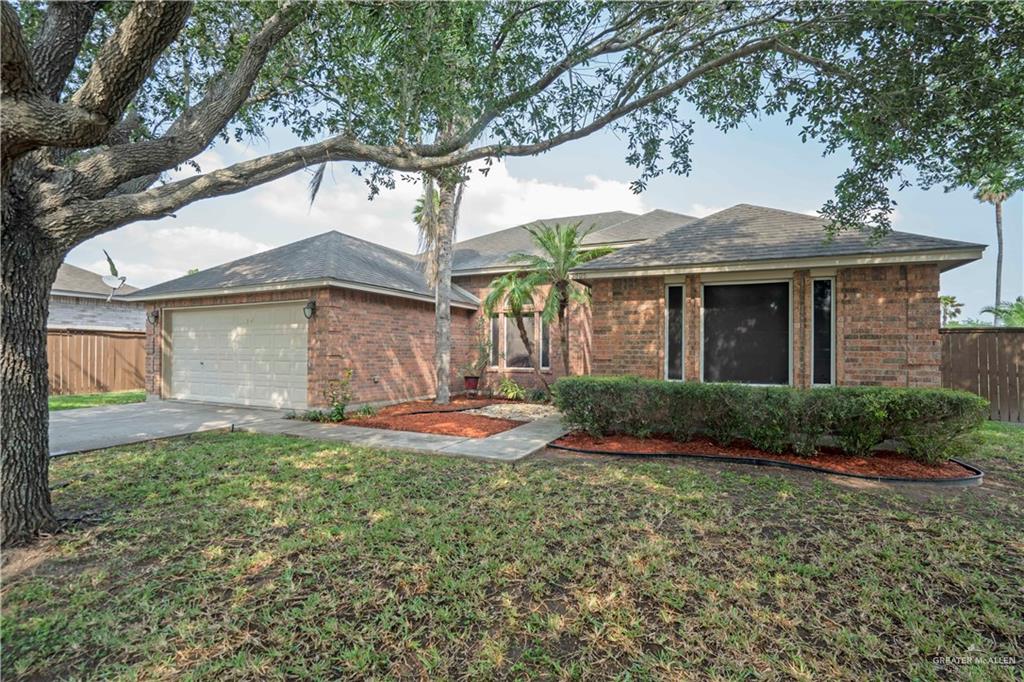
545, 344
746, 333
515, 355
674, 334
494, 341
822, 320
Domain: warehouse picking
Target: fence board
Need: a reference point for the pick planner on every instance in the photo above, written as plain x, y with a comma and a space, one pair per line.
95, 361
988, 362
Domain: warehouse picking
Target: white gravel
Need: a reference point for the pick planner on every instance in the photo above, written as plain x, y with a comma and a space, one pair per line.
520, 412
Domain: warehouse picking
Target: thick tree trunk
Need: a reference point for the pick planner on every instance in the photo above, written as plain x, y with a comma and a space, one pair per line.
29, 267
999, 256
443, 295
534, 360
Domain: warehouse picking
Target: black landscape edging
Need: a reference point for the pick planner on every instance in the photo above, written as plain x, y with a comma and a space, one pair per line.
974, 479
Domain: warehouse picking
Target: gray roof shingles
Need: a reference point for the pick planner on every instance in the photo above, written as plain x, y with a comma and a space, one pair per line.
647, 226
745, 232
493, 250
331, 255
74, 279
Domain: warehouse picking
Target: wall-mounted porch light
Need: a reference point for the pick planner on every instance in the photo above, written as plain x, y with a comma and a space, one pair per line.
309, 310
153, 316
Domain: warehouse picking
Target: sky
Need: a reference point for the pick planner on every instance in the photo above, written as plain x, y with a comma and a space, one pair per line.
763, 163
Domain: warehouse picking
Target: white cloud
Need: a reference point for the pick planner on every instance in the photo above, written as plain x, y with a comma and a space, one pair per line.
219, 230
148, 254
702, 211
812, 212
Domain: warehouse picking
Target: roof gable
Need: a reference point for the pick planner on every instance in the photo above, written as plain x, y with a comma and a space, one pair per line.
493, 250
329, 256
73, 279
749, 233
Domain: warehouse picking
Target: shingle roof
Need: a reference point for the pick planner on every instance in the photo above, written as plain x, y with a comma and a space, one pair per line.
493, 250
328, 256
74, 279
747, 233
647, 226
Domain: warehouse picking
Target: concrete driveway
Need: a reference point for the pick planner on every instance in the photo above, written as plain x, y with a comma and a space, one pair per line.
92, 428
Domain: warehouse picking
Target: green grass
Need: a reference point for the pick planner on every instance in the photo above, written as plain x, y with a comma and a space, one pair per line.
233, 556
71, 402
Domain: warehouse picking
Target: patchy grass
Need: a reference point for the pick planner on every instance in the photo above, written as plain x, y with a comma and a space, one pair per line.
230, 556
71, 402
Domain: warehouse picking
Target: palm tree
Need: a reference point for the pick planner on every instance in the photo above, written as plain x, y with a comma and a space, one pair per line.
561, 251
516, 290
1008, 313
994, 192
951, 309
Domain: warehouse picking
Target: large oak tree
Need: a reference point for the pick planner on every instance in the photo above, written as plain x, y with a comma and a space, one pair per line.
101, 100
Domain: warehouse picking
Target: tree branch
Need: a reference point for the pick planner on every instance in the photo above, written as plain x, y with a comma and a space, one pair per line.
196, 127
60, 40
17, 77
84, 219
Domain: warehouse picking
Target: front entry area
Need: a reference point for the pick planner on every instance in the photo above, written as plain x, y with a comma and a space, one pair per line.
239, 355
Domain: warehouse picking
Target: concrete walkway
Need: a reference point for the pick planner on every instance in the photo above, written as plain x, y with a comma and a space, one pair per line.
508, 446
93, 428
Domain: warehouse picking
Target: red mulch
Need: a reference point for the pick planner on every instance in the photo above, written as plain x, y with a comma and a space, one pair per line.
882, 463
445, 421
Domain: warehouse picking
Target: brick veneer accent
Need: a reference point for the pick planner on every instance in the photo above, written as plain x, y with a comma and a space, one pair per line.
887, 326
628, 322
887, 323
579, 318
387, 341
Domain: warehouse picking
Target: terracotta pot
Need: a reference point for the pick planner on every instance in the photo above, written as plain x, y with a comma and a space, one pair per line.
471, 383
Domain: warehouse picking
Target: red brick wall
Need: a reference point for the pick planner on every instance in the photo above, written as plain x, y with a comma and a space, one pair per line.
579, 319
387, 341
628, 323
887, 325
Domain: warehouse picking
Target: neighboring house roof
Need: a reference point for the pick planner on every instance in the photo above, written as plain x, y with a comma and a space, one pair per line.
328, 259
647, 226
490, 252
75, 281
756, 235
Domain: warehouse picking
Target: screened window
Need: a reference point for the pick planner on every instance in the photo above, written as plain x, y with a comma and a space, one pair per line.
822, 332
545, 344
746, 333
495, 338
515, 350
674, 334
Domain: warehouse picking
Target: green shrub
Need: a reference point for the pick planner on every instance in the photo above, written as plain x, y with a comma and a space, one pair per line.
508, 388
537, 395
926, 424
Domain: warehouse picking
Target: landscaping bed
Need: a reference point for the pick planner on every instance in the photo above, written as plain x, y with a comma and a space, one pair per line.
882, 464
423, 416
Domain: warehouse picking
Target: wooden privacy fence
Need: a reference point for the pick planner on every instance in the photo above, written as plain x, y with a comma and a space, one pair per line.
989, 362
95, 361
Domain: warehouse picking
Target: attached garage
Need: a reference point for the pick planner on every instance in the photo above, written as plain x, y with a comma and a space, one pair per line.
241, 355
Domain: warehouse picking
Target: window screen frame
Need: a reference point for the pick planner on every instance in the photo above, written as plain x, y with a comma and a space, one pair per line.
682, 334
832, 330
535, 316
494, 334
788, 281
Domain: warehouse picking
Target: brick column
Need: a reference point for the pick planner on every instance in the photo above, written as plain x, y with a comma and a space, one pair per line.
802, 302
691, 328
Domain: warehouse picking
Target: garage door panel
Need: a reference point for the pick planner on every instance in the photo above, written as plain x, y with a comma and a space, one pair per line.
253, 355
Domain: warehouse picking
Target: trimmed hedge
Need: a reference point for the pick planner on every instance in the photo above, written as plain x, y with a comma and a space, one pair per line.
926, 424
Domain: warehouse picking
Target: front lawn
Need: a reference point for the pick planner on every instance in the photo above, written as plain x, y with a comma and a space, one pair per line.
71, 402
242, 556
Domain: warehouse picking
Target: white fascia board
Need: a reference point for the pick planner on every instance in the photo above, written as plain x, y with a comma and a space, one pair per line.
299, 284
906, 257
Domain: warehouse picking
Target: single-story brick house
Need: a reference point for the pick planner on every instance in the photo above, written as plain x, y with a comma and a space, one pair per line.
80, 300
747, 294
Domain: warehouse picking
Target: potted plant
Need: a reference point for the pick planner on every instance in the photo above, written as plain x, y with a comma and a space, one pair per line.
480, 357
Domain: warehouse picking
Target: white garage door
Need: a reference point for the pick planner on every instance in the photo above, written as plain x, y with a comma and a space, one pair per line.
245, 355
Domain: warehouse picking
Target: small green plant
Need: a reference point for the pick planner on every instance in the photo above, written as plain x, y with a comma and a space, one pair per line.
508, 388
480, 354
365, 411
338, 394
538, 395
